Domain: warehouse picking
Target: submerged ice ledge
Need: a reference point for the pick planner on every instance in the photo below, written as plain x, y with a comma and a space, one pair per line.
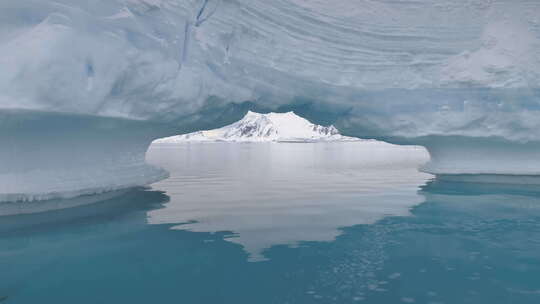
73, 182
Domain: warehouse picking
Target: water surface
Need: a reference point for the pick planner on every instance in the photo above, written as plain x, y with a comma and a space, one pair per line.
282, 223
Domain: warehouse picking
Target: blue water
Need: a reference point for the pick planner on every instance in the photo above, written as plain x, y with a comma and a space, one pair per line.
282, 223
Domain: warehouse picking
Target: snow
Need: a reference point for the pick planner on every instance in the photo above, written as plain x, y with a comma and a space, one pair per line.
271, 127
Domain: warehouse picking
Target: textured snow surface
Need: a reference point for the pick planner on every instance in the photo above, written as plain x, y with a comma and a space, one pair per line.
458, 74
271, 127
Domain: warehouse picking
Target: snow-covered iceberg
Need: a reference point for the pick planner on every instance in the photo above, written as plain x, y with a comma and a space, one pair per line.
258, 127
460, 77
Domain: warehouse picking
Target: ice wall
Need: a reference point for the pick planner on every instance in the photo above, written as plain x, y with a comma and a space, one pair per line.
415, 72
53, 155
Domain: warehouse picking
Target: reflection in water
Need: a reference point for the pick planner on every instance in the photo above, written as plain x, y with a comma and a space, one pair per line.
40, 252
466, 243
29, 207
460, 243
271, 194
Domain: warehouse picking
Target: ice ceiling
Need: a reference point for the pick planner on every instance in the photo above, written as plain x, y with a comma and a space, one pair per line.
86, 85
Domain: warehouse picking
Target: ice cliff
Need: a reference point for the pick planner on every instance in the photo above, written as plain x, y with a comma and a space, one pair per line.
85, 86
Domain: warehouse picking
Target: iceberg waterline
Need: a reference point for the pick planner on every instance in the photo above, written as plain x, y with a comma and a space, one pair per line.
458, 77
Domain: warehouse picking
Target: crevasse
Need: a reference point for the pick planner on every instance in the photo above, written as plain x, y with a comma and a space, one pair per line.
85, 86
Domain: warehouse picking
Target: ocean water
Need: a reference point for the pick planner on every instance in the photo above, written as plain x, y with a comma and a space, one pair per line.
279, 223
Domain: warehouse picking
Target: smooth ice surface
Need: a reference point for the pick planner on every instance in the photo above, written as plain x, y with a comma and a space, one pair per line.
409, 72
270, 127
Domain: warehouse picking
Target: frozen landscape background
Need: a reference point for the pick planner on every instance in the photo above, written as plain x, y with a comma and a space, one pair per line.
92, 212
458, 77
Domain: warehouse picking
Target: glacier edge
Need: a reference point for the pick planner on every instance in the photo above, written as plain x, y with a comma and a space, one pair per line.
71, 155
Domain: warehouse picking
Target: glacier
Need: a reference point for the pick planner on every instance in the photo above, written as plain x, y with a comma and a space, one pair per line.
85, 86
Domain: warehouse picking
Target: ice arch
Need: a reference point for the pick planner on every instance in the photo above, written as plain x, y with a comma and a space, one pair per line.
86, 85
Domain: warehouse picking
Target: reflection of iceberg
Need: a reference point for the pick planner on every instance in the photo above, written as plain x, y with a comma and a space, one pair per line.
484, 224
483, 200
282, 194
410, 72
472, 236
481, 238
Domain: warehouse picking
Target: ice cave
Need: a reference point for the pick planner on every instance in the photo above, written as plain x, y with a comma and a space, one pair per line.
86, 86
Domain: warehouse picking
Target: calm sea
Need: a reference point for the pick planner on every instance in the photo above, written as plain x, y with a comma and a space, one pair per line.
281, 223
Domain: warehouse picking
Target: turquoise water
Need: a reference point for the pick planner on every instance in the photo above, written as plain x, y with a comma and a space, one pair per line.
281, 223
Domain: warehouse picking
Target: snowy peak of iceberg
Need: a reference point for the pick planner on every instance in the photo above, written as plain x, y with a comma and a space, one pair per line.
270, 127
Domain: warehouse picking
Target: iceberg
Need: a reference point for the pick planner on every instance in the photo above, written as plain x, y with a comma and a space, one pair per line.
86, 86
269, 127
